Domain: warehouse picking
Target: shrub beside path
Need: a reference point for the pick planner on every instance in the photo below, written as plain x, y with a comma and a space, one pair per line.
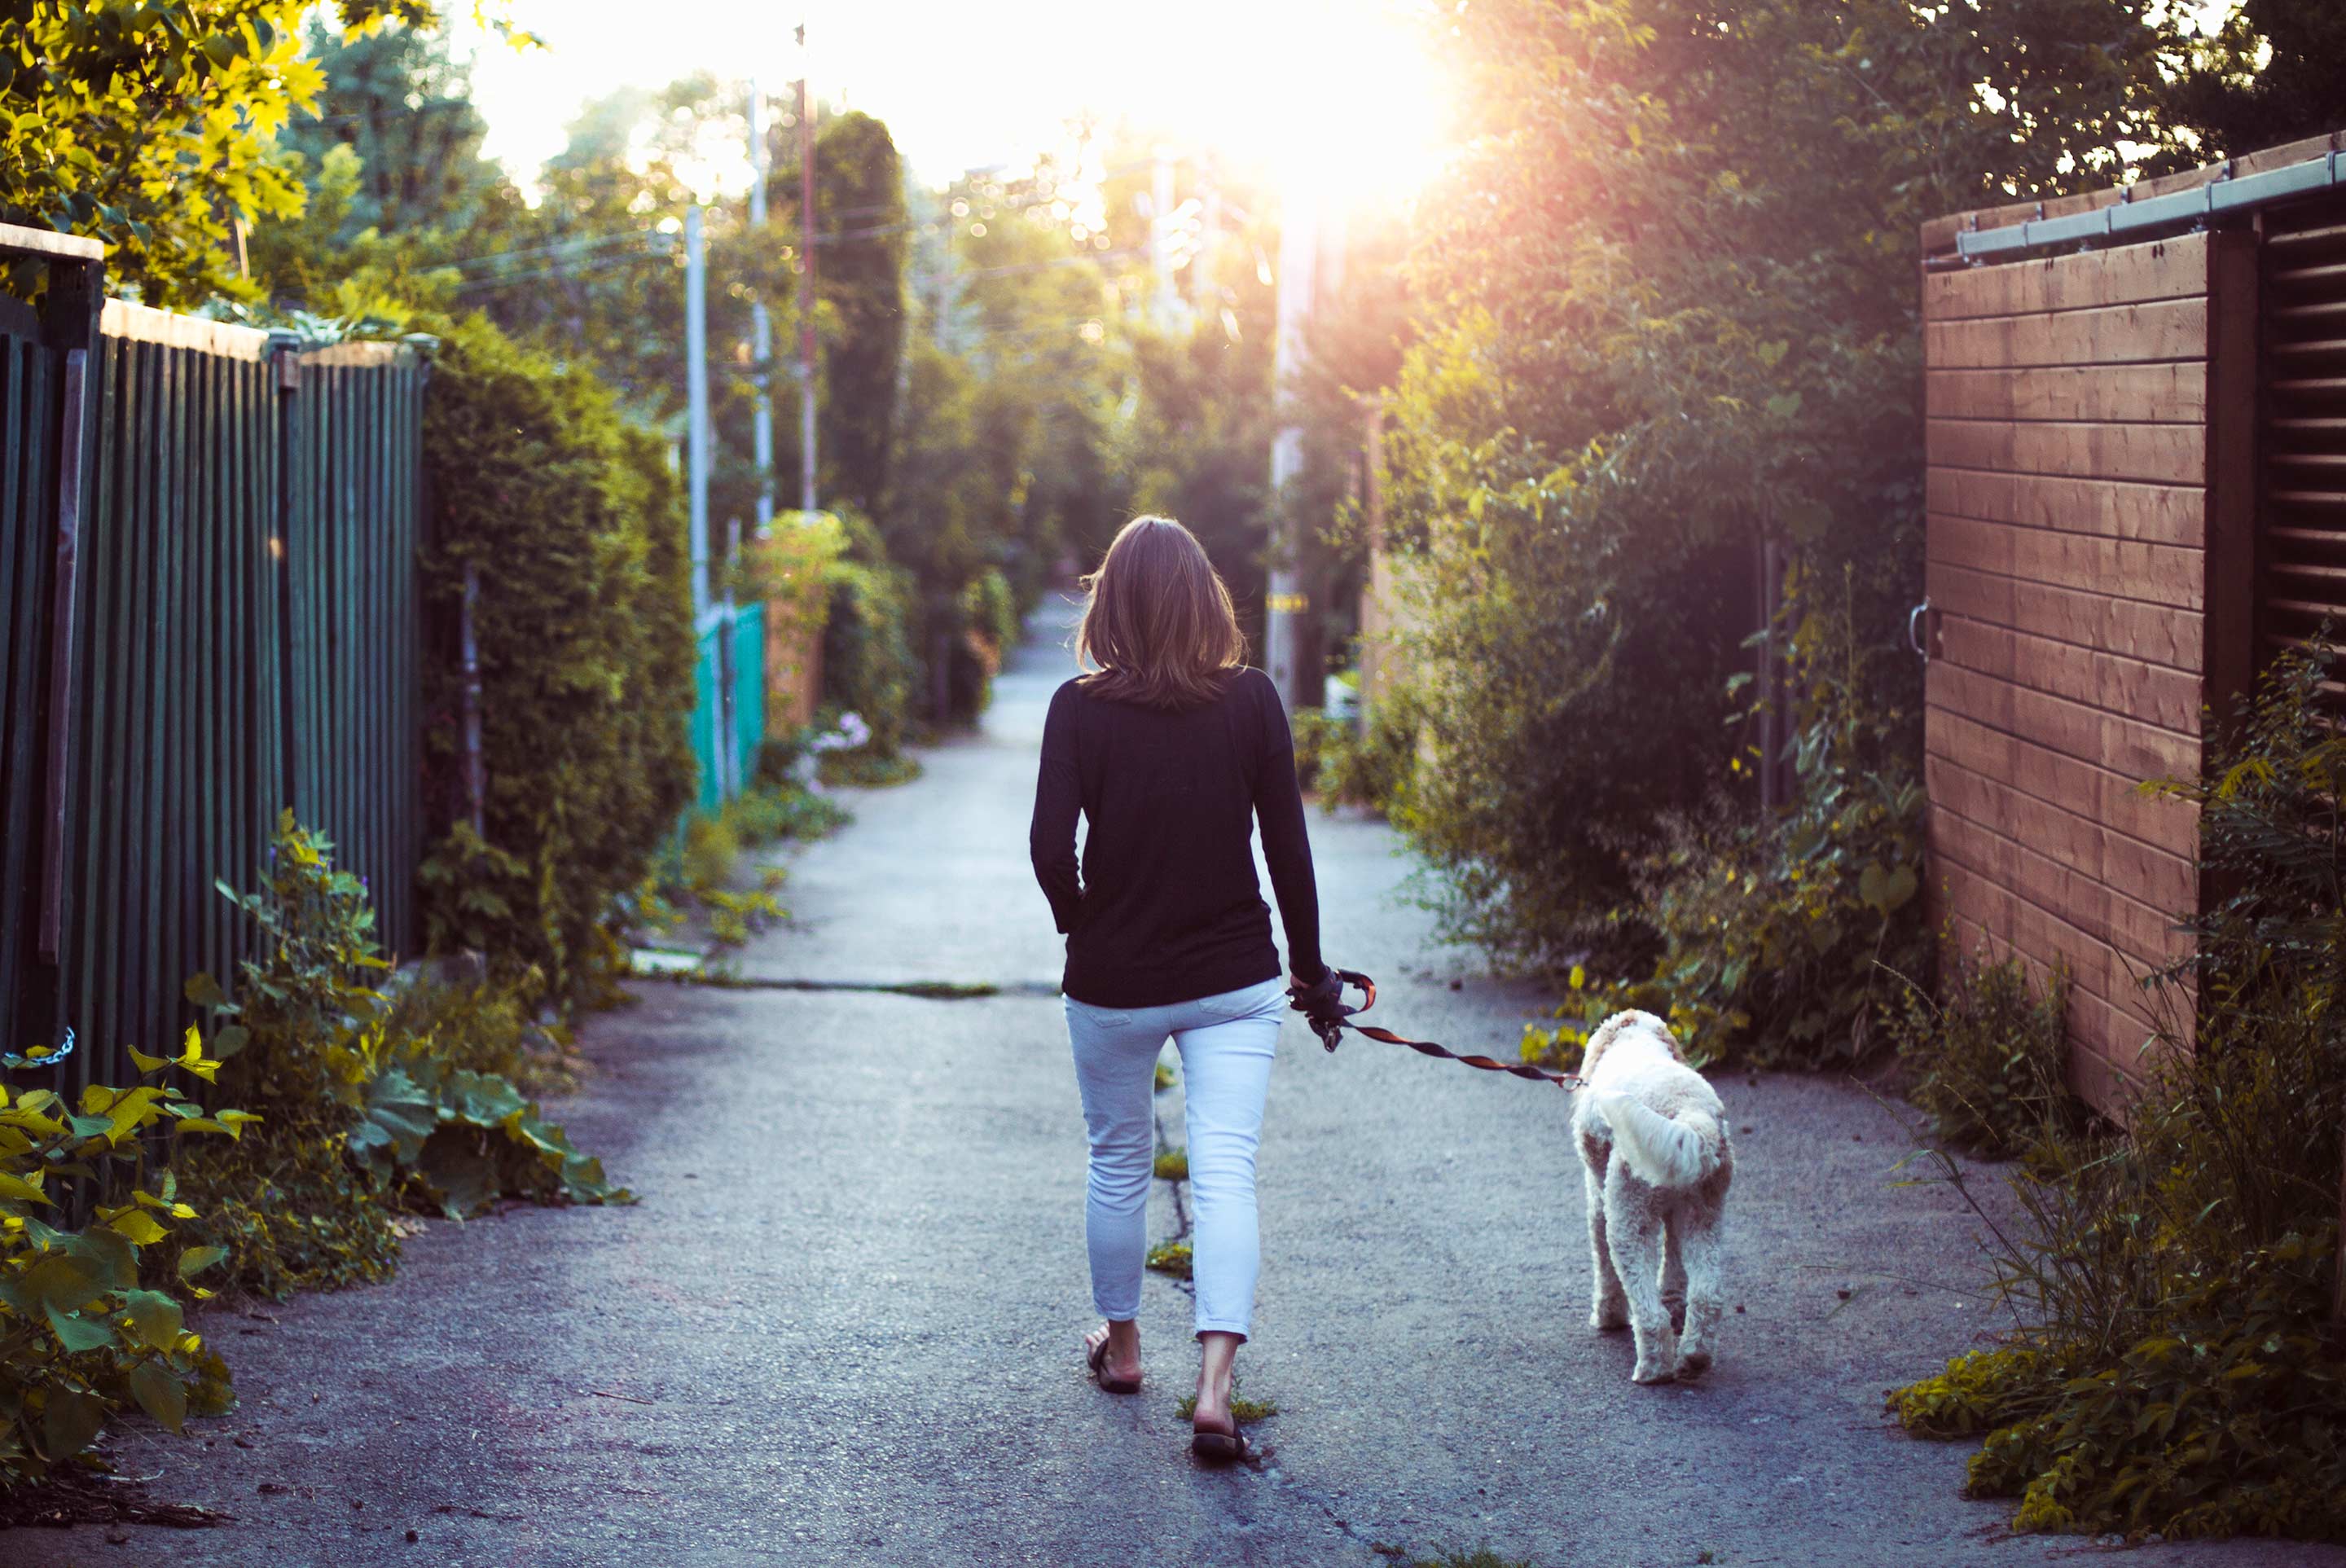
841, 1326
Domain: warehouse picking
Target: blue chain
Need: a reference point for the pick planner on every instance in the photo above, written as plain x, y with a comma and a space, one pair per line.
12, 1059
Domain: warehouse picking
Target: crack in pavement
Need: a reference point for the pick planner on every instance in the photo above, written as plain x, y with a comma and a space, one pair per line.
923, 989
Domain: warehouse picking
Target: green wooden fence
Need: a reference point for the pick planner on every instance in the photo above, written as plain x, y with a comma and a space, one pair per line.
208, 574
728, 710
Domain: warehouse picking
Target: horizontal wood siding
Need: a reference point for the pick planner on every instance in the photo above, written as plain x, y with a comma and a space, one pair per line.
2067, 493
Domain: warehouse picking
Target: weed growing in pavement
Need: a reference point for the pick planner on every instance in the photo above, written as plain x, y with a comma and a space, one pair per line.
367, 1104
1173, 1164
1164, 1075
2169, 1370
866, 769
1244, 1411
1453, 1557
1991, 1052
80, 1340
1171, 1257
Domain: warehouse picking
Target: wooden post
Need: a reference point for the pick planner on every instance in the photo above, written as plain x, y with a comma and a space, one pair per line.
69, 319
2338, 1267
476, 779
2229, 652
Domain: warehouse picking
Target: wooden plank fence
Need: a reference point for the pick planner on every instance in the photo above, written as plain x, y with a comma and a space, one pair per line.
2137, 494
208, 542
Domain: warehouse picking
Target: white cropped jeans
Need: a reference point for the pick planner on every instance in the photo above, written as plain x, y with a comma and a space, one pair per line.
1227, 1043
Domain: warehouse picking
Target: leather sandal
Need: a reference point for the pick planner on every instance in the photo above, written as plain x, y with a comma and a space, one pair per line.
1216, 1447
1096, 1360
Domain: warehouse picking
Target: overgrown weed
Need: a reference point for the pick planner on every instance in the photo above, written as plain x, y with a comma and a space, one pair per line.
2170, 1369
1990, 1050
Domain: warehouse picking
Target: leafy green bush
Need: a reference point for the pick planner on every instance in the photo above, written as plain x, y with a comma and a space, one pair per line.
1778, 938
990, 626
1990, 1051
1367, 763
2170, 1369
584, 625
867, 664
770, 813
991, 608
80, 1336
369, 1105
702, 863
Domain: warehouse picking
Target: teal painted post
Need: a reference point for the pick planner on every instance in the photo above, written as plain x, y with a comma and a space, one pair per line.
748, 689
705, 711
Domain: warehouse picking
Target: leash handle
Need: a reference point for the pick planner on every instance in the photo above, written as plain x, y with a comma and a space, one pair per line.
1332, 1031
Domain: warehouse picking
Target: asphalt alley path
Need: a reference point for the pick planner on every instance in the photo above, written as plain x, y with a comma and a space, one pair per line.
842, 1326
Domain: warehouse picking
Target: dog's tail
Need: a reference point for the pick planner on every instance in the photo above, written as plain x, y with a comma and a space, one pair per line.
1670, 1151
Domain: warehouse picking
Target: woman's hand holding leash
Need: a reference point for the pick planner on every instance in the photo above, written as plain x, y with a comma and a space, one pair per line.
1322, 1003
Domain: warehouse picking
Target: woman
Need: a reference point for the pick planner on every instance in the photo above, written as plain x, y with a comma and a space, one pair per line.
1172, 749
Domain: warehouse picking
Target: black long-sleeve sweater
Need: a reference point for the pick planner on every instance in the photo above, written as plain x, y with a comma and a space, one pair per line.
1166, 907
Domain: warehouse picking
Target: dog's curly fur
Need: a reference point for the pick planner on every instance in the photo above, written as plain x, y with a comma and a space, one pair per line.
1653, 1136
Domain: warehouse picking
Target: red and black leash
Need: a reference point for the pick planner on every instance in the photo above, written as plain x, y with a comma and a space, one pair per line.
1331, 1035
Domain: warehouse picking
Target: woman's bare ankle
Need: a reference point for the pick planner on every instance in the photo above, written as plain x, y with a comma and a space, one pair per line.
1217, 1371
1123, 1358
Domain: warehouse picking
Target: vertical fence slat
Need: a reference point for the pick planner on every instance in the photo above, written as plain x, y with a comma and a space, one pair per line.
247, 632
18, 580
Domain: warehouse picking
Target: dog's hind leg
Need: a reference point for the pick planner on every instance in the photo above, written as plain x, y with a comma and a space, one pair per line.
1674, 1274
1608, 1309
1633, 1234
1705, 1298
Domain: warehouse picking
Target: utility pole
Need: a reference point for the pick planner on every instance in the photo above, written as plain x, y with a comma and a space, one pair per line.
806, 282
696, 390
1298, 265
762, 329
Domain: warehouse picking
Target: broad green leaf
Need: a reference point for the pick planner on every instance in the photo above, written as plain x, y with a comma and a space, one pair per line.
195, 1260
157, 1317
77, 1334
19, 1190
70, 1423
160, 1393
107, 1255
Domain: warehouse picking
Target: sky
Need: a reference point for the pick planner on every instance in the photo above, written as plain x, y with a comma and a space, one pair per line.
1343, 87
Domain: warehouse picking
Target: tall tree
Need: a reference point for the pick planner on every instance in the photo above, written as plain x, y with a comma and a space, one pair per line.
153, 127
2268, 73
1671, 296
398, 98
860, 242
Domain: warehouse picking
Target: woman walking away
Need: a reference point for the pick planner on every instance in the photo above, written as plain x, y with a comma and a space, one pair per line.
1172, 749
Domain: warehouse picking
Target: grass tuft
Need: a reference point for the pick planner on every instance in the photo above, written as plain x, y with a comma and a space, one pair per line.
1173, 1164
1247, 1412
1171, 1257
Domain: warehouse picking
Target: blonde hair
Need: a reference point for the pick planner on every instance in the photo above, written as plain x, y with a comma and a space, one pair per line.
1159, 625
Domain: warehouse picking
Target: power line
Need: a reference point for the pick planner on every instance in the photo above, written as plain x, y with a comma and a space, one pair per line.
508, 279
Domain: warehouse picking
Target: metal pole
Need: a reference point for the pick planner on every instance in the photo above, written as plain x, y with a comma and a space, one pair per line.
806, 283
1299, 257
695, 384
728, 738
761, 330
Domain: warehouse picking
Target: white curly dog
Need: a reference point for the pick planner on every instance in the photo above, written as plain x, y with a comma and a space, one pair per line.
1654, 1137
